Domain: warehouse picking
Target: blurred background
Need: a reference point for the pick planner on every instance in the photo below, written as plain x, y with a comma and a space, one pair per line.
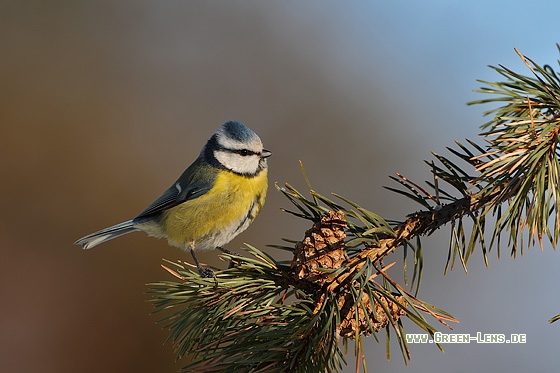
103, 104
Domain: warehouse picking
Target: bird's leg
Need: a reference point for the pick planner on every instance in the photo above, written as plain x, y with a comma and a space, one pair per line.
204, 272
226, 251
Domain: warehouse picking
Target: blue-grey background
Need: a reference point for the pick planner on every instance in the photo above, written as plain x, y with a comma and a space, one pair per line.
103, 104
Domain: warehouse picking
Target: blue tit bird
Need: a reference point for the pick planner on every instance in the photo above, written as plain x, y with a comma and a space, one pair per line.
216, 198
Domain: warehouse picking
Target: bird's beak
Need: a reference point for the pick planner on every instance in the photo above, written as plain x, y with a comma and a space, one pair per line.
266, 153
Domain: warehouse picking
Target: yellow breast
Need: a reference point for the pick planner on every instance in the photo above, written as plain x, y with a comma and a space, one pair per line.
216, 217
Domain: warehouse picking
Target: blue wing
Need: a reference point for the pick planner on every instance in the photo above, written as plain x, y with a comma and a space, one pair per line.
194, 182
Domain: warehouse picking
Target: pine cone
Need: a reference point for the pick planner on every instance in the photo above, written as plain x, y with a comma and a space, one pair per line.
378, 320
321, 249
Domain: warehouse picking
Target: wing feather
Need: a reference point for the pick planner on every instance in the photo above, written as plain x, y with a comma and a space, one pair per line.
194, 182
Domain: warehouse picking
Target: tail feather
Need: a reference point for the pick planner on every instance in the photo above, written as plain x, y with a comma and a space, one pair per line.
106, 234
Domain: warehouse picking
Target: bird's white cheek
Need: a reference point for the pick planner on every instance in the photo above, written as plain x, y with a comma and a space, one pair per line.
238, 163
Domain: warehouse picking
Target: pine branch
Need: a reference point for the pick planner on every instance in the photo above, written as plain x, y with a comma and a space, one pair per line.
515, 176
268, 316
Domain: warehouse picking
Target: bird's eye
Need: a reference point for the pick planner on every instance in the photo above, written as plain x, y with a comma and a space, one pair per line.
244, 152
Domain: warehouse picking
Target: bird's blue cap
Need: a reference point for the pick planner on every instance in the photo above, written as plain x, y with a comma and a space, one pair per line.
238, 131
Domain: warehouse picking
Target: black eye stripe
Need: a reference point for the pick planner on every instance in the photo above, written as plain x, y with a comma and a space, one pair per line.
242, 152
